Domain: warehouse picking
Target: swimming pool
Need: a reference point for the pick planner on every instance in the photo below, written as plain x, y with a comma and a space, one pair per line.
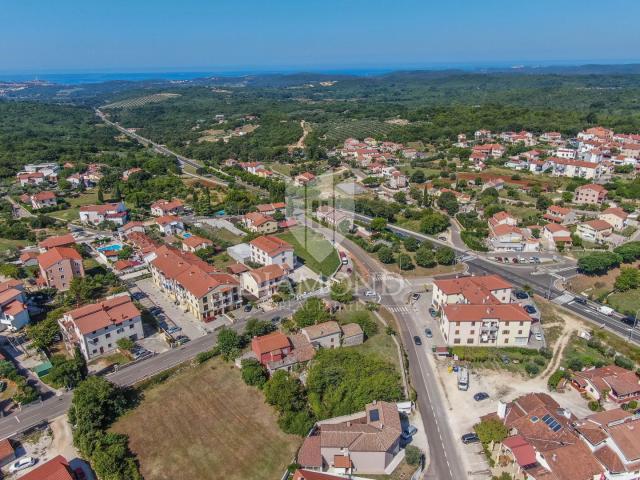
186, 235
115, 247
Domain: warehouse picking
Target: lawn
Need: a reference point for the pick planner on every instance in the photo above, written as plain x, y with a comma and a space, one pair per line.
206, 423
71, 214
313, 249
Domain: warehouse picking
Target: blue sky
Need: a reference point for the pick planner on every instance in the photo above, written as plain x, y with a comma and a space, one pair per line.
144, 35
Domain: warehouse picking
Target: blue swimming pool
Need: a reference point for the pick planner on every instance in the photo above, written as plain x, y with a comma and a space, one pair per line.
115, 247
186, 235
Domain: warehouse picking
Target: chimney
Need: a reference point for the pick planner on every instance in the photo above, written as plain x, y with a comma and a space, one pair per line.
502, 410
554, 458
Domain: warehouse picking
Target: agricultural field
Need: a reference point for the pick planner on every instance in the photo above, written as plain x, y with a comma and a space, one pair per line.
216, 424
339, 131
141, 101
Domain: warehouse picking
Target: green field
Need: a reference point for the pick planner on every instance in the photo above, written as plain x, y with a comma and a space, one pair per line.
313, 249
71, 214
339, 131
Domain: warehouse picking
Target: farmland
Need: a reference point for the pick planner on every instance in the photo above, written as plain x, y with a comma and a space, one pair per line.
338, 131
215, 424
141, 101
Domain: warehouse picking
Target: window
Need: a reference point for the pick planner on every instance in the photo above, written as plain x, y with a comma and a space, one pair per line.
506, 340
456, 340
505, 332
519, 332
108, 335
457, 332
130, 326
521, 323
469, 340
109, 345
472, 332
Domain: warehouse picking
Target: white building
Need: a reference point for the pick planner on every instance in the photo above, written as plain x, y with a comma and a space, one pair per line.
263, 282
13, 310
271, 250
109, 212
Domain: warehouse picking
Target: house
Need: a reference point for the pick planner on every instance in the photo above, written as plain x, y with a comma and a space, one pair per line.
196, 286
304, 179
595, 231
551, 137
251, 167
507, 238
563, 167
96, 328
616, 217
193, 243
33, 178
44, 199
269, 250
109, 212
352, 334
261, 283
618, 384
241, 252
566, 153
66, 240
131, 227
592, 194
59, 266
271, 208
271, 347
7, 452
325, 335
560, 215
494, 150
502, 218
162, 208
334, 217
363, 443
398, 180
542, 441
485, 325
55, 469
127, 173
259, 223
13, 310
29, 258
480, 290
556, 235
170, 225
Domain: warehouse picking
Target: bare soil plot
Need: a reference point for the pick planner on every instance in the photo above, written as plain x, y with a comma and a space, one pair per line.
206, 423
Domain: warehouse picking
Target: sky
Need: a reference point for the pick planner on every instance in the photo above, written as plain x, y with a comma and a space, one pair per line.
218, 35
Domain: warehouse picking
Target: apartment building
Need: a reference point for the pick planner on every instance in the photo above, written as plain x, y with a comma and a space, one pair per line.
560, 215
263, 282
592, 194
487, 289
44, 199
616, 217
96, 328
595, 231
563, 167
13, 310
163, 207
270, 250
59, 266
197, 286
109, 212
170, 224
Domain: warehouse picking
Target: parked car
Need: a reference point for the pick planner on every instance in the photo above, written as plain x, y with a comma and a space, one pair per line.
276, 319
409, 432
182, 339
478, 397
470, 438
21, 464
580, 300
415, 296
369, 293
80, 475
173, 329
442, 239
521, 295
538, 336
432, 312
530, 309
417, 340
247, 308
428, 333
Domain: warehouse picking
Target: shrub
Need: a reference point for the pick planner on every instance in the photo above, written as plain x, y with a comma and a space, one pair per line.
207, 355
598, 263
555, 379
532, 368
624, 362
413, 455
633, 404
253, 373
576, 364
593, 406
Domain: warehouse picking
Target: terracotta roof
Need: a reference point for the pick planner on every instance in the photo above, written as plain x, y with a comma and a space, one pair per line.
46, 195
555, 228
558, 210
8, 295
168, 205
610, 460
342, 461
236, 268
268, 272
575, 163
55, 469
107, 207
6, 449
103, 314
167, 219
10, 285
59, 241
195, 241
523, 452
268, 207
592, 186
258, 219
504, 312
322, 329
504, 229
271, 245
310, 453
351, 330
270, 342
598, 225
573, 461
474, 289
129, 225
14, 308
57, 254
618, 212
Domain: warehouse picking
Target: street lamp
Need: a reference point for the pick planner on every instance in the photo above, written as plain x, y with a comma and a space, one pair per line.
635, 324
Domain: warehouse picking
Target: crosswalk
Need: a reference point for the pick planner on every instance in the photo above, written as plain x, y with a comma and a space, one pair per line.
562, 299
399, 308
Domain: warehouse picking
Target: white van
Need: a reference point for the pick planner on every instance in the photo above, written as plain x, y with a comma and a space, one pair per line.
606, 310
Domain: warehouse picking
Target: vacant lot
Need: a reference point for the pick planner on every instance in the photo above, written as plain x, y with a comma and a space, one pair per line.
316, 252
71, 214
206, 423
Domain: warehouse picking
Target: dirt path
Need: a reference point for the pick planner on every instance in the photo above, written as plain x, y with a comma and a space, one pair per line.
570, 327
306, 129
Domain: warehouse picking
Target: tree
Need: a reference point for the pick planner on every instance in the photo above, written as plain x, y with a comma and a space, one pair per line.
411, 244
418, 176
254, 373
378, 224
448, 202
43, 334
567, 197
125, 344
543, 203
100, 195
285, 392
385, 255
296, 422
117, 194
598, 263
9, 270
628, 279
68, 372
405, 262
341, 292
229, 343
628, 252
400, 197
433, 223
491, 431
425, 257
257, 328
445, 256
312, 311
111, 458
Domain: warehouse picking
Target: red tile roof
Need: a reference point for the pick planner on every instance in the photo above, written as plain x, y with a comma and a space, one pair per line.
107, 207
269, 343
55, 469
6, 449
57, 254
505, 312
59, 241
592, 186
268, 272
46, 195
167, 219
103, 314
271, 245
195, 241
599, 225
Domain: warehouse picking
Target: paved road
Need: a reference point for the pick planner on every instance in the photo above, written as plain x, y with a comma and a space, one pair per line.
443, 456
539, 279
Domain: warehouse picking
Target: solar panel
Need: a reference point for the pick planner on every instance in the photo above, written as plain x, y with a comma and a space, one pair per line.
546, 418
534, 419
557, 428
374, 415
